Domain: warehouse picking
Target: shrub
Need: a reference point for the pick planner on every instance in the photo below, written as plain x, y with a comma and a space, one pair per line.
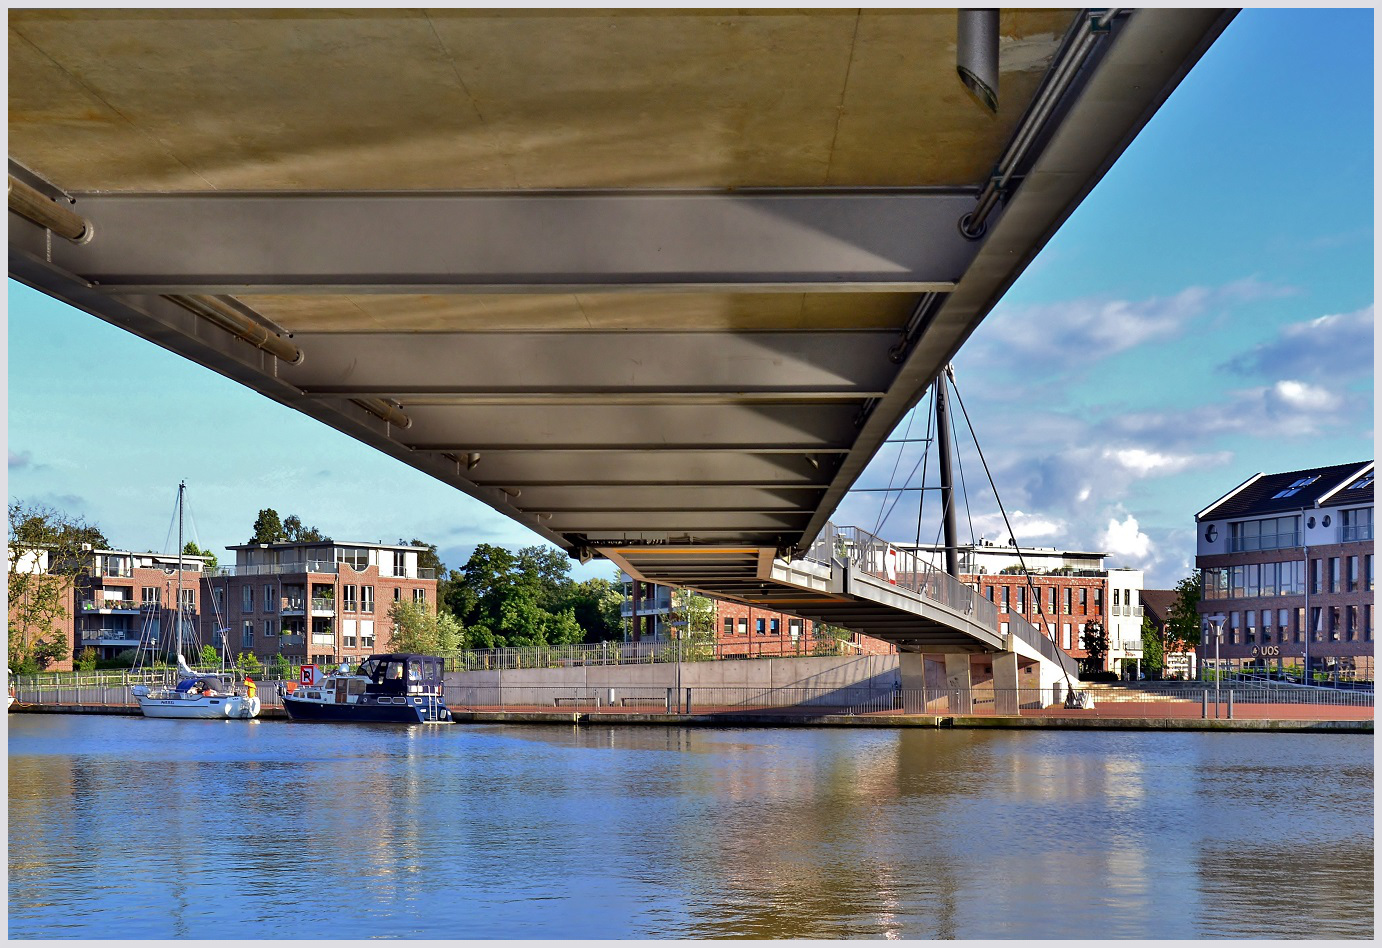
86, 660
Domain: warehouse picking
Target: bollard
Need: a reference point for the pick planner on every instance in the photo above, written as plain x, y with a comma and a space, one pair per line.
1204, 705
669, 700
1230, 704
688, 700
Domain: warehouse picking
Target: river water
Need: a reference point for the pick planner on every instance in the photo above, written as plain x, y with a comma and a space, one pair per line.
133, 828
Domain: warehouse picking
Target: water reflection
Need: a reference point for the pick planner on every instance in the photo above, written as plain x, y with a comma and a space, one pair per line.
134, 828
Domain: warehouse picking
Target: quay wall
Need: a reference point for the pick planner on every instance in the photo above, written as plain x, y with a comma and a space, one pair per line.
822, 677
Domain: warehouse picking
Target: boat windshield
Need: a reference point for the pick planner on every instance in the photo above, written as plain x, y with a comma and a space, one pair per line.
368, 668
394, 672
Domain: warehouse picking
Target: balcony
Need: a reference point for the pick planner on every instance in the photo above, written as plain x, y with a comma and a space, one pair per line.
119, 638
1267, 541
323, 606
276, 569
1132, 646
646, 607
1355, 533
292, 607
112, 606
292, 639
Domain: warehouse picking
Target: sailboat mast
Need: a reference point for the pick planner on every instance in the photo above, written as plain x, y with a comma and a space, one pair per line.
177, 610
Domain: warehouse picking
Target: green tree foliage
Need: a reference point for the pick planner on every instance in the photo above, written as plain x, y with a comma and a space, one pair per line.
1153, 656
268, 528
416, 628
693, 622
249, 664
280, 669
429, 559
506, 599
47, 550
1184, 618
210, 656
191, 549
85, 660
829, 639
297, 533
1094, 640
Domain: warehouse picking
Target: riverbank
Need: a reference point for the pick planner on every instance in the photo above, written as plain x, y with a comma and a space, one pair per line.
1048, 720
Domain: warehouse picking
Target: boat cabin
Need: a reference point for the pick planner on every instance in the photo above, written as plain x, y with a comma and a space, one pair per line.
401, 674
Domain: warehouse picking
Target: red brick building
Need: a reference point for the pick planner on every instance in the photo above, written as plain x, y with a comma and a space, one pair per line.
741, 631
322, 602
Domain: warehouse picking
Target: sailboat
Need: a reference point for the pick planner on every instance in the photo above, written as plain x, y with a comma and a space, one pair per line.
196, 695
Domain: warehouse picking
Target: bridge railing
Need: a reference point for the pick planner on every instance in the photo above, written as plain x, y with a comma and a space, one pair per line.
902, 568
882, 560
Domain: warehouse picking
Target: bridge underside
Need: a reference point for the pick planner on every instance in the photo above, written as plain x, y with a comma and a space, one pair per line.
633, 278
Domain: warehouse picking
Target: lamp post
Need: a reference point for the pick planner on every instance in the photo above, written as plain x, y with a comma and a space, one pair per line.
1218, 622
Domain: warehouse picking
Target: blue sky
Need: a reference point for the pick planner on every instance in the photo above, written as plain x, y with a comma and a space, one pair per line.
1204, 315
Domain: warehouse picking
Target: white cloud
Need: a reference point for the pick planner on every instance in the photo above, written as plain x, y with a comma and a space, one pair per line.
1026, 528
1125, 539
1298, 396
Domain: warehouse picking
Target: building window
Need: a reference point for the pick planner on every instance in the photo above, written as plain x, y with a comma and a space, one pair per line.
367, 633
1069, 594
419, 595
356, 557
247, 599
1272, 533
366, 598
1356, 524
1295, 487
760, 626
1007, 598
794, 627
1352, 574
268, 598
1084, 600
1336, 583
1099, 599
218, 598
1065, 634
247, 634
1367, 621
1250, 624
1021, 592
398, 594
1367, 572
348, 601
1300, 623
149, 595
269, 629
1315, 631
729, 626
743, 626
988, 591
1316, 575
1351, 624
1052, 599
189, 599
774, 627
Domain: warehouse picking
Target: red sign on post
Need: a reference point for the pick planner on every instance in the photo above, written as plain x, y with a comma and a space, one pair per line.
309, 674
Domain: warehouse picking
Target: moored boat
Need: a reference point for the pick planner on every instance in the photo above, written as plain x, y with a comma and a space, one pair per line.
397, 687
198, 695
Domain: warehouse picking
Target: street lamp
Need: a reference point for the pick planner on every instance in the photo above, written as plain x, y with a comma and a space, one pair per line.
1218, 622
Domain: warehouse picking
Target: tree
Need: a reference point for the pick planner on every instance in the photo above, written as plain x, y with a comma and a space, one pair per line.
249, 664
191, 549
1184, 616
416, 628
829, 639
268, 528
295, 532
1153, 654
280, 669
1094, 640
210, 656
596, 604
693, 618
85, 660
47, 551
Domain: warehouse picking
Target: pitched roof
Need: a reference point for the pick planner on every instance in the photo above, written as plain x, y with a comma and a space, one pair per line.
1156, 604
1291, 490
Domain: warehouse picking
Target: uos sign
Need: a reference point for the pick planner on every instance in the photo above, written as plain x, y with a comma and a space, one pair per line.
1266, 651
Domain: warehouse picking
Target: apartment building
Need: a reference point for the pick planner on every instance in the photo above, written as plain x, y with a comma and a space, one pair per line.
1067, 590
1287, 561
741, 630
123, 596
322, 602
1179, 662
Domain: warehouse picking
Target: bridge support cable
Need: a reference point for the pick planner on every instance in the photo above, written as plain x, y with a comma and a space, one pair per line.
1048, 628
921, 463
